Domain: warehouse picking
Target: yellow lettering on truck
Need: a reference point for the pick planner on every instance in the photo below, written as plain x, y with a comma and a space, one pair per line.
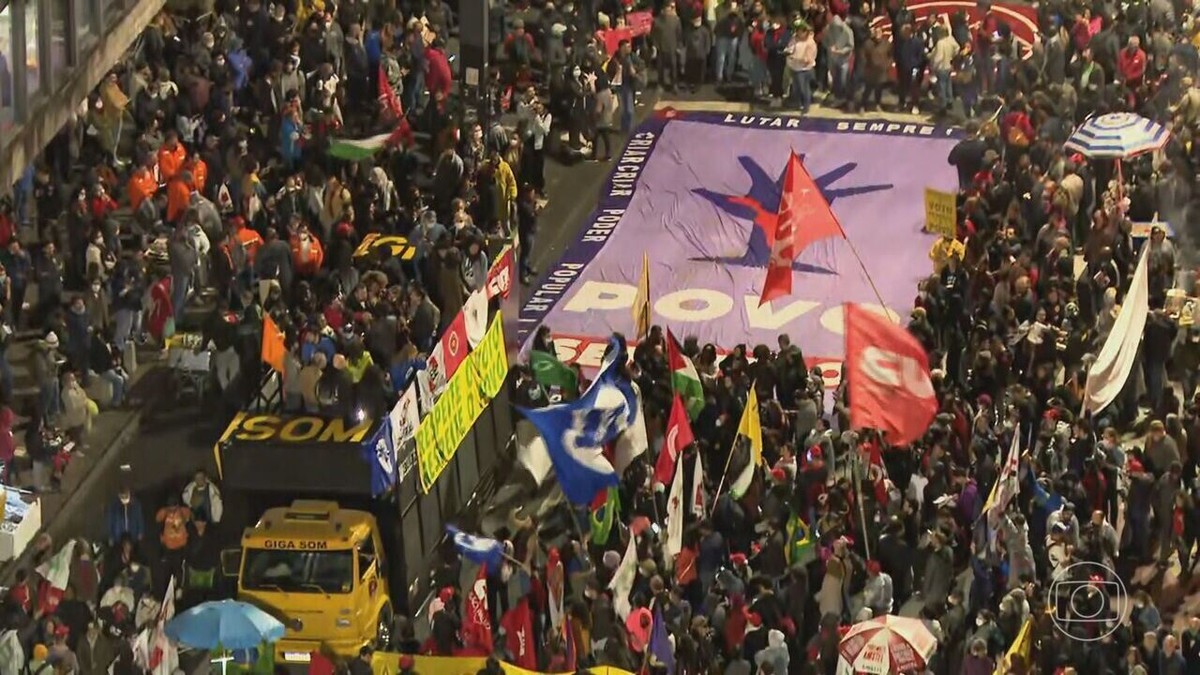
260, 428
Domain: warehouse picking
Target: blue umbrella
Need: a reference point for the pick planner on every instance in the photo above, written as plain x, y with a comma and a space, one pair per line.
224, 624
1117, 136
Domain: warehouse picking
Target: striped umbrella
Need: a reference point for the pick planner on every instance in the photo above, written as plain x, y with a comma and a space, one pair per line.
1117, 136
886, 645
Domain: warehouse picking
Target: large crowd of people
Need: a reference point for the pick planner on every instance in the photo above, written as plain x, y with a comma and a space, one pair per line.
217, 184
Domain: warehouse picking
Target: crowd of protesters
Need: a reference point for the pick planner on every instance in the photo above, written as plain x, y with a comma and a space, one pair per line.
212, 196
212, 184
1018, 306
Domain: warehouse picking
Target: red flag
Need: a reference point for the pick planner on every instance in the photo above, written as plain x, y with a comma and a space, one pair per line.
890, 389
518, 629
388, 97
319, 664
679, 436
477, 620
804, 217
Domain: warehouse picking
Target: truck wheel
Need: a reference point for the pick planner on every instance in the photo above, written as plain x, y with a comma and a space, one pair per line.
383, 629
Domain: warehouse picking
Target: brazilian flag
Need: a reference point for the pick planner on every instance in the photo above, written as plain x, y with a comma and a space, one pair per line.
801, 548
603, 515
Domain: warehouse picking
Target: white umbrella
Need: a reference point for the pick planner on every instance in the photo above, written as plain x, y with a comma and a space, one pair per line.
887, 645
1117, 136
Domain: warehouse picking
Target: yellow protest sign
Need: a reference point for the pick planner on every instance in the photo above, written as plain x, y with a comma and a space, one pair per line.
941, 212
467, 395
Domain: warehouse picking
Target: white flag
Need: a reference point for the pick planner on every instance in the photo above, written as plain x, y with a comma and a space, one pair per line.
1007, 485
675, 511
1108, 373
57, 570
634, 441
163, 655
532, 452
425, 388
475, 311
698, 488
622, 581
406, 416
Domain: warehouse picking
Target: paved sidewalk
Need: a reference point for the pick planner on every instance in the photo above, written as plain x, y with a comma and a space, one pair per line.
89, 480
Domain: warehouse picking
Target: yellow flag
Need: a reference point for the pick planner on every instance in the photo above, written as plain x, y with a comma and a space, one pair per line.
641, 302
1022, 646
751, 427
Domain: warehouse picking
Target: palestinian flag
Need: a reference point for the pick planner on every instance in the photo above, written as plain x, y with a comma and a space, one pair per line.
801, 548
550, 372
356, 150
684, 378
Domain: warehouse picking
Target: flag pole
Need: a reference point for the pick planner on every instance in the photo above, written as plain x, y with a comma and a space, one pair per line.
724, 474
729, 459
874, 288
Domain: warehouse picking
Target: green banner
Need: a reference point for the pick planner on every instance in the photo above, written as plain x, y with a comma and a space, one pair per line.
467, 395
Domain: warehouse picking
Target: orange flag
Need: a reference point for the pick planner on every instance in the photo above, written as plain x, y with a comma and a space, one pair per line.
273, 348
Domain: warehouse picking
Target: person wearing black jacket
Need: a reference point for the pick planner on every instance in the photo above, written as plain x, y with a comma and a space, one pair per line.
105, 361
1157, 340
527, 226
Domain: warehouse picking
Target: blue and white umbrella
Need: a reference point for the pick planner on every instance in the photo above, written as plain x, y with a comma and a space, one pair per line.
1117, 136
224, 624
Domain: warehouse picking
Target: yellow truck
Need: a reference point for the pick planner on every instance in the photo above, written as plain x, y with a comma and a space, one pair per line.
320, 569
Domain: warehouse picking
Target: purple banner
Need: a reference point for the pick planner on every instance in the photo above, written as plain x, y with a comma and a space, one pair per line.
697, 192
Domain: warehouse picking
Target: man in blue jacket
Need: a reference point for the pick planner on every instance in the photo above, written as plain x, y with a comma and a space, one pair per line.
125, 518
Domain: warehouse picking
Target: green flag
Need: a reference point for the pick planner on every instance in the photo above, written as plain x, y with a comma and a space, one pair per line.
602, 517
550, 372
800, 549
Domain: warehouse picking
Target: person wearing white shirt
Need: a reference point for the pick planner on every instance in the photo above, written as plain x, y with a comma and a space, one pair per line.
877, 593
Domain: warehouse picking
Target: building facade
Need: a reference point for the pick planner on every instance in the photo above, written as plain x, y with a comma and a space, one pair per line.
52, 54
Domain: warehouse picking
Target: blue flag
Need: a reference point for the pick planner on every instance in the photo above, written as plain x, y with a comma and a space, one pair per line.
576, 432
479, 550
660, 643
381, 456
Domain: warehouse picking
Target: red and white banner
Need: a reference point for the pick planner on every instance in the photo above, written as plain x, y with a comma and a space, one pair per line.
890, 388
518, 629
447, 355
500, 275
637, 24
477, 620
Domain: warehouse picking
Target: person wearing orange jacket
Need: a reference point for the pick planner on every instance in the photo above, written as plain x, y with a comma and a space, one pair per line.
179, 196
248, 237
174, 519
199, 170
171, 157
142, 186
307, 253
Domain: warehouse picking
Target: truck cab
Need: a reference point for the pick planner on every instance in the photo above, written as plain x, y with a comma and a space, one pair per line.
320, 569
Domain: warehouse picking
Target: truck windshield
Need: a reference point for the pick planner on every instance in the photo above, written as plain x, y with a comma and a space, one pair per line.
298, 571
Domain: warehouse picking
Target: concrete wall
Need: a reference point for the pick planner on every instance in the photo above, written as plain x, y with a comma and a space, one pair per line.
46, 119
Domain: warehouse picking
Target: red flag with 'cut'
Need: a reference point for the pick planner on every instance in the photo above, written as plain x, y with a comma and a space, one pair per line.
679, 436
804, 217
477, 620
890, 387
518, 629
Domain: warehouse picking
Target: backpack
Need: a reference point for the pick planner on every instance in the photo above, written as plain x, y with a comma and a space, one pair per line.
1017, 138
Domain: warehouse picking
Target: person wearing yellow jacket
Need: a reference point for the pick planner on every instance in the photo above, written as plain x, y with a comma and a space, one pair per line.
506, 189
943, 249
